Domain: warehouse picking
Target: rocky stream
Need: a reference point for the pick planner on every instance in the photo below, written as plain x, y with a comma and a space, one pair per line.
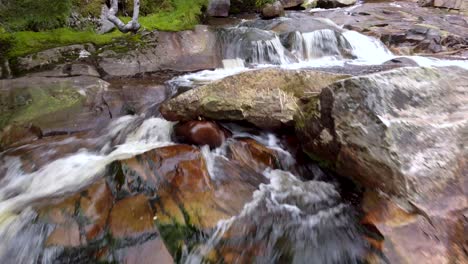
323, 136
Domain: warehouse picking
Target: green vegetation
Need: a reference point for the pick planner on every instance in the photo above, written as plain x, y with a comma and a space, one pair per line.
35, 15
29, 42
44, 27
181, 15
261, 3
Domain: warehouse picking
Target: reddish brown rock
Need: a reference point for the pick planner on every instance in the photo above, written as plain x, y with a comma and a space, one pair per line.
95, 205
131, 216
16, 135
66, 235
150, 252
201, 133
248, 152
413, 235
178, 177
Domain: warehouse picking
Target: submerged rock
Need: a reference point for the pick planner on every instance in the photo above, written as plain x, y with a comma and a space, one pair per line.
55, 105
399, 131
267, 98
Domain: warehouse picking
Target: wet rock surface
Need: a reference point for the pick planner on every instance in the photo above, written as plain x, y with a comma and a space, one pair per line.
55, 105
179, 51
201, 133
410, 234
405, 27
93, 226
266, 98
392, 134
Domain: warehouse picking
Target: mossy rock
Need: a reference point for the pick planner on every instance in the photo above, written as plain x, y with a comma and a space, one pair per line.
30, 104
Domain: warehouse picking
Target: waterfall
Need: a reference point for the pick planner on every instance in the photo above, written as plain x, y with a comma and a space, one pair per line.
367, 49
316, 44
254, 46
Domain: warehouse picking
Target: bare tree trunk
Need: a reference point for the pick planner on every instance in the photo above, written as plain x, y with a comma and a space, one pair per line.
6, 69
133, 25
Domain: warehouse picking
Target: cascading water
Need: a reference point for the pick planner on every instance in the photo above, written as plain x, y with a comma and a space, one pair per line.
254, 46
288, 220
19, 190
317, 44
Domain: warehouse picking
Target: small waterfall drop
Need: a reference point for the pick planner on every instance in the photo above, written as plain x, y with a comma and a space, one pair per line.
367, 49
254, 46
317, 44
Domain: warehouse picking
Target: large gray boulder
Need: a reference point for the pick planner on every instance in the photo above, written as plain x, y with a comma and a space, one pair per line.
402, 131
267, 98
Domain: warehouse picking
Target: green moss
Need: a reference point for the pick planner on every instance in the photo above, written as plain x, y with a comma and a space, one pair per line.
177, 235
238, 6
309, 111
326, 164
27, 42
181, 15
26, 105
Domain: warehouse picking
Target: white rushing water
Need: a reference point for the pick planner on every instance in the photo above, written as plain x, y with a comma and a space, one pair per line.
308, 216
259, 48
19, 190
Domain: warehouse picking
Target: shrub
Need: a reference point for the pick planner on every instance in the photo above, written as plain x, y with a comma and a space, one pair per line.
34, 15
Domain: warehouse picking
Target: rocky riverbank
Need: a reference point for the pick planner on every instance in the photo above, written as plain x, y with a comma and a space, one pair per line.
301, 123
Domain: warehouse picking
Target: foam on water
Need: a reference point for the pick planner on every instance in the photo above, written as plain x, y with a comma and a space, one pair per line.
20, 190
306, 216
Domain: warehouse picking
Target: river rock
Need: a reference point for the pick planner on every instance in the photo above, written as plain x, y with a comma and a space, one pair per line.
334, 3
291, 3
189, 50
218, 8
46, 58
409, 235
267, 98
275, 9
201, 133
68, 70
188, 200
82, 224
250, 153
451, 4
399, 131
421, 30
55, 105
16, 135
